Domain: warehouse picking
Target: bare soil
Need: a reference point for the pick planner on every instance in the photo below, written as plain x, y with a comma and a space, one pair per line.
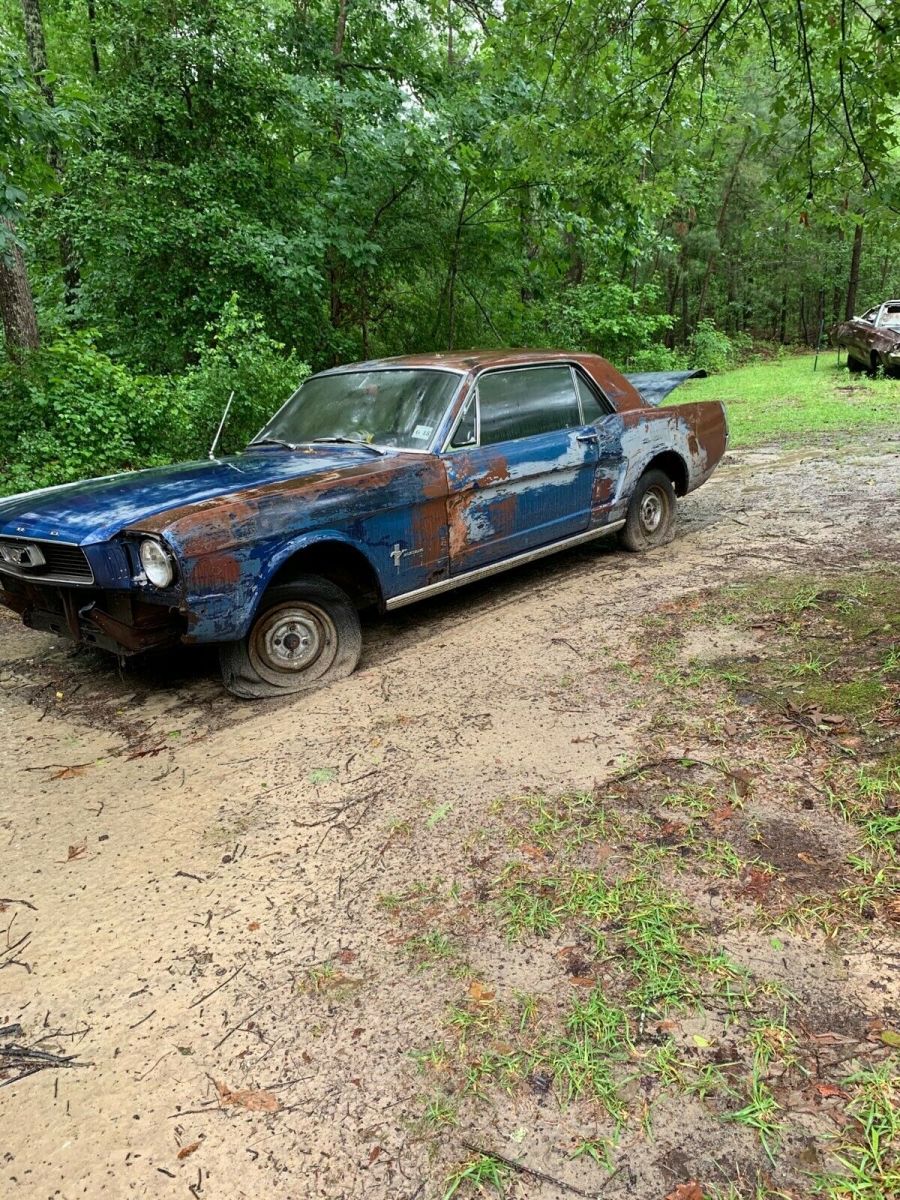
250, 923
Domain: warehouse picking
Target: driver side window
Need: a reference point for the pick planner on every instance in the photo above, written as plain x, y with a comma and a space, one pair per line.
524, 402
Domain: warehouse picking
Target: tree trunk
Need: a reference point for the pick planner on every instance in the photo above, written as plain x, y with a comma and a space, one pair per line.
684, 309
16, 303
334, 266
529, 245
853, 282
37, 59
454, 271
37, 48
720, 225
782, 316
92, 37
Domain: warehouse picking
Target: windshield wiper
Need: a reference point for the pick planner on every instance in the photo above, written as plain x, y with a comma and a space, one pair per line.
267, 441
350, 442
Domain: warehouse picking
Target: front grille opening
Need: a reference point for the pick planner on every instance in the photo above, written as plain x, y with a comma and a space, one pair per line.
64, 563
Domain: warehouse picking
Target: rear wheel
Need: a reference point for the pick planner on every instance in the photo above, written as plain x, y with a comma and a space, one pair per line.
650, 520
305, 635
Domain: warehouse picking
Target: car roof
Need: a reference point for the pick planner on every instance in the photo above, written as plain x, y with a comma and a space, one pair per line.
604, 374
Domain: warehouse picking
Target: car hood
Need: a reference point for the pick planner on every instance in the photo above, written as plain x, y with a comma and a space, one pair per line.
96, 509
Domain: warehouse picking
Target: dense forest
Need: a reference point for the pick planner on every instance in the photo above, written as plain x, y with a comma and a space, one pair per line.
200, 195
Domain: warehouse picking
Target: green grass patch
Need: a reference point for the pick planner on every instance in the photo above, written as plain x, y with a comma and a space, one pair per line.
787, 399
869, 1152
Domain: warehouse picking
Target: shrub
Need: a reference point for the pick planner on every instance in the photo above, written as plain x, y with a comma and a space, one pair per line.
710, 349
70, 411
658, 358
607, 318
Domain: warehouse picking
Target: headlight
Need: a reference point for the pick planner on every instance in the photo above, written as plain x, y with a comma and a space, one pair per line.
157, 563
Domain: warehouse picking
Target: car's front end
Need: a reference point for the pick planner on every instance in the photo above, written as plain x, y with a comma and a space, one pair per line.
122, 594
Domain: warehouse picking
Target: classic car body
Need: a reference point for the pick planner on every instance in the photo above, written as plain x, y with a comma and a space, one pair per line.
872, 340
195, 552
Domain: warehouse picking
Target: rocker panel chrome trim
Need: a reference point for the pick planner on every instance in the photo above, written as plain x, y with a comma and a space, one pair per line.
455, 581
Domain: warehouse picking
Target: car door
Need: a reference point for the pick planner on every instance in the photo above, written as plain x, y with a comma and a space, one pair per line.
861, 336
520, 465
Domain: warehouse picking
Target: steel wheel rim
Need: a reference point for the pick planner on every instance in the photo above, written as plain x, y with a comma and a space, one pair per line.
652, 510
291, 641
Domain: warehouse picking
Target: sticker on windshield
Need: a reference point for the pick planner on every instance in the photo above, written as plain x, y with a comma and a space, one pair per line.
422, 433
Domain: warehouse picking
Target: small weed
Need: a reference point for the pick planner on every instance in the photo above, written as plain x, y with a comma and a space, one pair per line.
701, 801
322, 775
761, 1114
813, 664
869, 1153
479, 1173
439, 814
531, 909
325, 977
439, 1112
598, 1149
429, 950
722, 858
528, 1010
435, 1058
804, 598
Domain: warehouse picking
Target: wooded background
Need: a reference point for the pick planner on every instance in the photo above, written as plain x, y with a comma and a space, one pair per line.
201, 194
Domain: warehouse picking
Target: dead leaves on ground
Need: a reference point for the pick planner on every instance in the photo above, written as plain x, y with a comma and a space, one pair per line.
479, 994
686, 1191
247, 1098
757, 885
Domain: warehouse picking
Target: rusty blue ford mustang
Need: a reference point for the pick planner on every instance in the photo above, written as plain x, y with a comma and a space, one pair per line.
376, 484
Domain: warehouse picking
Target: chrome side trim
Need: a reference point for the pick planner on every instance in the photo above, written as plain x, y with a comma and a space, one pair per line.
455, 581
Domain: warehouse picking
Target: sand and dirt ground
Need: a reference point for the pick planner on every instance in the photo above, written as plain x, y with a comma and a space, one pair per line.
324, 947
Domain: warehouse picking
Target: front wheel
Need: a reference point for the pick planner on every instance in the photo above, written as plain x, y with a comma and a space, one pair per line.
650, 520
305, 634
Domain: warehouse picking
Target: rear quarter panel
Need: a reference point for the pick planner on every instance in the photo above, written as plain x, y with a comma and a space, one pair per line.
697, 433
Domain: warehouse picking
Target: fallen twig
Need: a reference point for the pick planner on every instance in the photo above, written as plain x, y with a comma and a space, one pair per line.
10, 900
669, 760
236, 1027
143, 1019
542, 1175
233, 975
27, 1060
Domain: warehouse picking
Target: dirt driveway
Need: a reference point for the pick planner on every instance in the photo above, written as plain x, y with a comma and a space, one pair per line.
272, 936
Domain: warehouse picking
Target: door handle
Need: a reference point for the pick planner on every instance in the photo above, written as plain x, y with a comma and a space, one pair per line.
593, 436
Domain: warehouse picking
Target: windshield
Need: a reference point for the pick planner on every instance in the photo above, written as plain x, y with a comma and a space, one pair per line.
381, 407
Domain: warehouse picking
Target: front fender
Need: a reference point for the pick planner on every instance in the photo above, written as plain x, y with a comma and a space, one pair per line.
223, 589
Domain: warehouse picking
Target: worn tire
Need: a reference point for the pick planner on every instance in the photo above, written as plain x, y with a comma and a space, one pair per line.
650, 520
854, 366
305, 634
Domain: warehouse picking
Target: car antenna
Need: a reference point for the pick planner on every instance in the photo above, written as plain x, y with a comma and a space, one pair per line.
212, 449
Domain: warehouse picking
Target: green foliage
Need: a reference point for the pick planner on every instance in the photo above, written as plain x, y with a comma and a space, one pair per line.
607, 318
710, 348
71, 411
